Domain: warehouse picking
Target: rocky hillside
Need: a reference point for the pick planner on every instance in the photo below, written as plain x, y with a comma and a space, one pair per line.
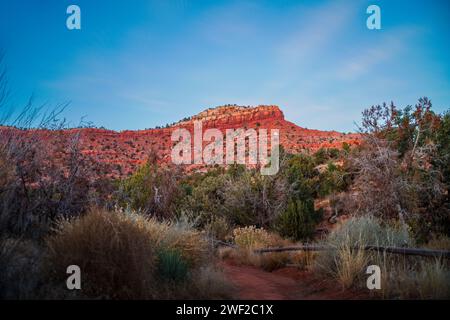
124, 151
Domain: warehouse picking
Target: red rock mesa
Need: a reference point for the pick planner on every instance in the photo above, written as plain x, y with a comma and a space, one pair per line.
124, 151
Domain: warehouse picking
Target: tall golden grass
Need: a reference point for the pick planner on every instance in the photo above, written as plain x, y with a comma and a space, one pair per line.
401, 276
248, 239
117, 253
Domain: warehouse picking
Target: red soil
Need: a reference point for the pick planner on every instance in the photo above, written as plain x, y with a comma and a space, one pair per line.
285, 284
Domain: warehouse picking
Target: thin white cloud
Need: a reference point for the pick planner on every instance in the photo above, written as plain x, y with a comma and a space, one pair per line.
388, 48
315, 31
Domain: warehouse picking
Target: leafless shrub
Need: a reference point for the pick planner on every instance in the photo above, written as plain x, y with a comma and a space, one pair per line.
43, 174
379, 187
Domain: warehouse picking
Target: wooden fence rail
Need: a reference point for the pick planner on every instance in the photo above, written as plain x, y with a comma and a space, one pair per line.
225, 244
396, 250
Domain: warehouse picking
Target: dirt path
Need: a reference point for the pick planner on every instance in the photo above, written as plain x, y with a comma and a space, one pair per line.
285, 284
253, 283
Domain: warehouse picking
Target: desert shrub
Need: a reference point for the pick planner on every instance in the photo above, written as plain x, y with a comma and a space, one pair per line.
36, 189
385, 187
20, 265
211, 283
179, 236
331, 180
188, 248
442, 161
192, 245
324, 155
218, 228
299, 220
368, 230
203, 196
302, 176
432, 281
152, 189
382, 189
251, 238
402, 276
253, 198
305, 182
171, 266
346, 149
114, 251
302, 259
404, 165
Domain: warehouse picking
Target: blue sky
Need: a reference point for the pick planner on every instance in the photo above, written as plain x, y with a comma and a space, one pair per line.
138, 64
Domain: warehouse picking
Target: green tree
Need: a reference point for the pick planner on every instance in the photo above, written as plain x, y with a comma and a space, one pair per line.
301, 176
299, 220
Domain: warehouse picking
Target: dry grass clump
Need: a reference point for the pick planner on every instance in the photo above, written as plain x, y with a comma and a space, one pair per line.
114, 251
348, 262
251, 238
351, 265
20, 265
273, 260
218, 228
302, 259
401, 276
191, 244
207, 282
419, 279
439, 243
125, 255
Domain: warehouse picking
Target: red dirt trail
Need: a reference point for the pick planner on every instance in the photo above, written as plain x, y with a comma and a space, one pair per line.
288, 283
